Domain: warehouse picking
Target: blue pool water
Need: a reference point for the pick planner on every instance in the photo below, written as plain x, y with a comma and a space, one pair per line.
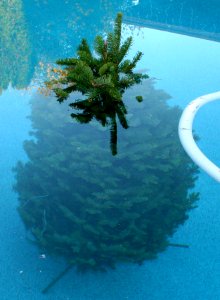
185, 68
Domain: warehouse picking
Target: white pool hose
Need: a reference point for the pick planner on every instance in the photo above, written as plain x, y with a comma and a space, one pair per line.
186, 135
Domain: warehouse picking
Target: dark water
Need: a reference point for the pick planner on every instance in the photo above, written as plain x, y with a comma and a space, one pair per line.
80, 204
190, 17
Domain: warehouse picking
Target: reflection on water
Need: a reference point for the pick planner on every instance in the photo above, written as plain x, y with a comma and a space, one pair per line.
35, 31
15, 47
57, 27
106, 113
190, 17
94, 209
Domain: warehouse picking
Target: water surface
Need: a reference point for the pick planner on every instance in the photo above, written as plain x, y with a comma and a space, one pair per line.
184, 68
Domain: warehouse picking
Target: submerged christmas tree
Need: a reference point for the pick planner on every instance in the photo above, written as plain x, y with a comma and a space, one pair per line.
101, 78
95, 210
81, 203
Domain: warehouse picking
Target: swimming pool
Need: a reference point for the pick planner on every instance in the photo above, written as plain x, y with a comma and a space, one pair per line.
181, 66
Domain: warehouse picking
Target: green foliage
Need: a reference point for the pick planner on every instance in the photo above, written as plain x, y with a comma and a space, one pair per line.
102, 79
100, 210
105, 114
139, 98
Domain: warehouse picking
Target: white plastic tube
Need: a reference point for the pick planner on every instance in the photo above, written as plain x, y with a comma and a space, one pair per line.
186, 136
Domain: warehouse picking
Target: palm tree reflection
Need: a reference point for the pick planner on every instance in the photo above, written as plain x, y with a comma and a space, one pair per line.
106, 112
